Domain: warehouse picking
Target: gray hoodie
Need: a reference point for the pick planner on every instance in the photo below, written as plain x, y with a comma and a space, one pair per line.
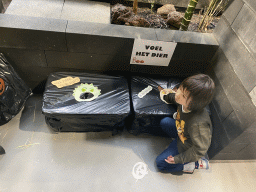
194, 130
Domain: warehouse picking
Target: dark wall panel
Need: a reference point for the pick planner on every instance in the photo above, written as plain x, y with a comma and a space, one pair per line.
233, 126
25, 57
195, 52
221, 102
179, 68
110, 30
104, 45
87, 61
32, 39
235, 91
219, 136
34, 75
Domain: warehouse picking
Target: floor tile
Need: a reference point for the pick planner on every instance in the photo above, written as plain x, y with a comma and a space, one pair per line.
36, 8
90, 11
38, 159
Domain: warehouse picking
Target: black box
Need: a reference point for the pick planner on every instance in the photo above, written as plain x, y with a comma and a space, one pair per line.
149, 110
107, 112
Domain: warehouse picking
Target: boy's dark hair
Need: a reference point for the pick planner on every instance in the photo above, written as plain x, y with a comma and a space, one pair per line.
201, 90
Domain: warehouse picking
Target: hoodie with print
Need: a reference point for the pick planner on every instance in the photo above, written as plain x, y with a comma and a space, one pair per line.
194, 131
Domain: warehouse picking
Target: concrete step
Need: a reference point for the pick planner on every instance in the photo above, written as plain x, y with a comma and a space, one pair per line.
76, 10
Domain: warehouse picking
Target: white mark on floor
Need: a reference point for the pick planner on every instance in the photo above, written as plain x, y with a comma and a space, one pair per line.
27, 146
139, 170
34, 115
4, 135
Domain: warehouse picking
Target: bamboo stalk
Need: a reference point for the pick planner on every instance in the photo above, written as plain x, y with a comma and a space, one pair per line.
214, 8
188, 15
135, 6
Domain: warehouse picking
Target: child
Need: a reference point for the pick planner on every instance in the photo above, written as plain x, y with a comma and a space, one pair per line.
190, 126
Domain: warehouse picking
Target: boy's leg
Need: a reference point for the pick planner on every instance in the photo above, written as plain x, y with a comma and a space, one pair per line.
163, 165
168, 125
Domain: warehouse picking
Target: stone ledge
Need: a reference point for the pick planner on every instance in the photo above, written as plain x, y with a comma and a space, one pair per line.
32, 23
80, 27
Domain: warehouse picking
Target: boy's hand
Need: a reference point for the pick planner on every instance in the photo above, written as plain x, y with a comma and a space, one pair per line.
160, 88
170, 160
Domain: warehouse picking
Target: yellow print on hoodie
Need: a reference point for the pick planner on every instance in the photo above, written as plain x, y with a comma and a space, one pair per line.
180, 124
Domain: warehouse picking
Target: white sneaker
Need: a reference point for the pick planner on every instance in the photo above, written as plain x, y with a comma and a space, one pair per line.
189, 167
203, 163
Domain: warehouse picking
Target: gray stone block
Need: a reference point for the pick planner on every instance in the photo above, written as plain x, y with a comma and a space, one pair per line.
96, 44
251, 3
33, 23
32, 33
233, 126
249, 152
234, 148
24, 57
233, 10
46, 9
194, 52
221, 102
110, 30
235, 91
90, 11
179, 68
86, 61
185, 37
241, 60
219, 136
30, 39
33, 75
229, 156
246, 137
245, 27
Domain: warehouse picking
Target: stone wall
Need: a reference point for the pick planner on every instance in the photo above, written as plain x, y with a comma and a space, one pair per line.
37, 47
234, 64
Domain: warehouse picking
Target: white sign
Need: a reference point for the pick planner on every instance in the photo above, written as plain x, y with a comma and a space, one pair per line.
147, 52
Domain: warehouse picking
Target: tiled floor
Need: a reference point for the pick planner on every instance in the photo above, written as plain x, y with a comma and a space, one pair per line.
78, 10
38, 160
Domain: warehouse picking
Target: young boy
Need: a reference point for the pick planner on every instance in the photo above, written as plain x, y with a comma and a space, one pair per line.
190, 126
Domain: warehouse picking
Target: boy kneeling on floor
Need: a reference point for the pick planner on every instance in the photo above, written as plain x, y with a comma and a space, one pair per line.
190, 126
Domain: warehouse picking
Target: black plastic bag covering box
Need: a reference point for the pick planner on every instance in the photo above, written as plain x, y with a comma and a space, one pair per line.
105, 113
13, 91
149, 110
